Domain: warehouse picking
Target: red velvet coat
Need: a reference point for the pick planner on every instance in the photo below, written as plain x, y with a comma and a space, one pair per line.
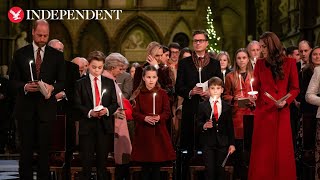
232, 90
272, 155
152, 143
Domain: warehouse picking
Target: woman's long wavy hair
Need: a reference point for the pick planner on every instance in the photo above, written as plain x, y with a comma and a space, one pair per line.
275, 54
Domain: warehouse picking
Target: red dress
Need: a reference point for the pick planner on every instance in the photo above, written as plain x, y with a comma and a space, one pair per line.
272, 155
152, 143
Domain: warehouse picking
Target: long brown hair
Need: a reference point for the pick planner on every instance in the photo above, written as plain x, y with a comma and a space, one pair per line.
142, 83
275, 54
236, 67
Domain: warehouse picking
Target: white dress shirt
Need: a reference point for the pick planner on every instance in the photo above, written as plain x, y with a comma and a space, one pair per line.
219, 105
35, 51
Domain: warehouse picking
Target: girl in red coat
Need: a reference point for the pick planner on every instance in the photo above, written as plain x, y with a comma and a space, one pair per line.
152, 144
237, 86
272, 154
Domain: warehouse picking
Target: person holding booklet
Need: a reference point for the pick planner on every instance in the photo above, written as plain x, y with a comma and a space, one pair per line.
217, 137
237, 86
34, 111
276, 77
96, 101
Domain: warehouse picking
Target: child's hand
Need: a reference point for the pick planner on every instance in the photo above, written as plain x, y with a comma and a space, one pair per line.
231, 149
149, 119
208, 124
94, 113
252, 98
156, 118
103, 112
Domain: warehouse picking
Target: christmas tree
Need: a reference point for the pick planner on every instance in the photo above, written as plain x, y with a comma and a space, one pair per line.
213, 38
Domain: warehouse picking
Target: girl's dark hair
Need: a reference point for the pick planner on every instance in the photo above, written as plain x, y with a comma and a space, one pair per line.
142, 83
184, 50
166, 49
275, 54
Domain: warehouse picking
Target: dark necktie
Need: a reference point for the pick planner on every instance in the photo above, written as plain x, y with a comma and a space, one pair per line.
38, 62
96, 90
215, 110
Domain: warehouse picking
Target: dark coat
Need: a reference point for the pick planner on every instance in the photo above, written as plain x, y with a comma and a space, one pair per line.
222, 134
84, 103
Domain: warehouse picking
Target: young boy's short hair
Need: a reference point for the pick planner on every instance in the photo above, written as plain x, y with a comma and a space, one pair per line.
96, 55
215, 81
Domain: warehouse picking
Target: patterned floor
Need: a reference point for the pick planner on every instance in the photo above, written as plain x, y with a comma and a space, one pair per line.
9, 169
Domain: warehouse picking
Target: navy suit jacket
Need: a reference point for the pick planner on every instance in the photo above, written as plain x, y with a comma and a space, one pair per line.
84, 103
52, 71
222, 133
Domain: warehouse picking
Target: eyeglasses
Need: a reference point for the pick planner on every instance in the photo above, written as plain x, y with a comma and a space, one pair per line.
199, 41
175, 52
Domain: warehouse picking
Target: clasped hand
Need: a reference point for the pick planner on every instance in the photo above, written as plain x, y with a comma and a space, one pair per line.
152, 119
98, 114
208, 124
32, 87
120, 114
199, 91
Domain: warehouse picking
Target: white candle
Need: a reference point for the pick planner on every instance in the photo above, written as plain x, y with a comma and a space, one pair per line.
200, 74
104, 91
31, 73
154, 103
240, 82
120, 97
251, 84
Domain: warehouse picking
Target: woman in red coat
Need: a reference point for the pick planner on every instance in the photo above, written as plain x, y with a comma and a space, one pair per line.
152, 144
272, 155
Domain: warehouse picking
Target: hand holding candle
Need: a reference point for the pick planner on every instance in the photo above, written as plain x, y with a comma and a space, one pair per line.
100, 107
154, 104
252, 92
31, 73
104, 91
121, 103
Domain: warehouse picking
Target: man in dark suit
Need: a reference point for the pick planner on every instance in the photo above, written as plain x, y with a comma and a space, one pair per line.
187, 78
96, 126
33, 111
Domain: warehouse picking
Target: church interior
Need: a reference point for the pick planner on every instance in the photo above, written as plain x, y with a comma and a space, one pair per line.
142, 21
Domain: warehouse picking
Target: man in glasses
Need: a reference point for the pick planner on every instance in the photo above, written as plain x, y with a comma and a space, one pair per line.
198, 68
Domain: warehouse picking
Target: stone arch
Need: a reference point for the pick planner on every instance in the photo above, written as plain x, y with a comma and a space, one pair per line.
233, 31
134, 35
180, 26
59, 31
92, 36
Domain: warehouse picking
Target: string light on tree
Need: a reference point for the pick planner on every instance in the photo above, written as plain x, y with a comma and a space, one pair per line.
213, 37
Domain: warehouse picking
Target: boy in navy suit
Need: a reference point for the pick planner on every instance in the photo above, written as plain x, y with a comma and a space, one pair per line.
95, 126
217, 137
